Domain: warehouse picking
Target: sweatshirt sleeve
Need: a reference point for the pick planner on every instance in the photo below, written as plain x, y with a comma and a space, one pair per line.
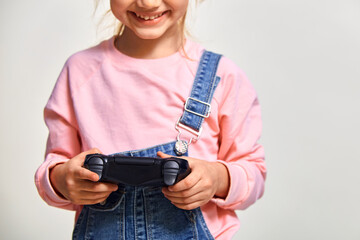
63, 140
239, 150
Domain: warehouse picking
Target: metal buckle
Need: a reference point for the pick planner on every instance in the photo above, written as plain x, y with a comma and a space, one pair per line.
198, 114
179, 125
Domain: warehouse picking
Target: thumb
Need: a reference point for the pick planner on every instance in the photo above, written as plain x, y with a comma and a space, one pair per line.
81, 172
79, 159
163, 155
92, 151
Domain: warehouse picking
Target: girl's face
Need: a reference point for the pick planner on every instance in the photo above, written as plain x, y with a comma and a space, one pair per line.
150, 19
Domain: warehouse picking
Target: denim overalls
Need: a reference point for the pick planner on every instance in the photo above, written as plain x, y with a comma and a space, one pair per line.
133, 213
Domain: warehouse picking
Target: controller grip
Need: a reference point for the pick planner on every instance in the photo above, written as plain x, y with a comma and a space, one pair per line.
175, 171
94, 164
137, 171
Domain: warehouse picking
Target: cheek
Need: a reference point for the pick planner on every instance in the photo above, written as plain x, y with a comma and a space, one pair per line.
181, 7
118, 10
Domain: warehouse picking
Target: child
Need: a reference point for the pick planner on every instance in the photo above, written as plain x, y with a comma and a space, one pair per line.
125, 96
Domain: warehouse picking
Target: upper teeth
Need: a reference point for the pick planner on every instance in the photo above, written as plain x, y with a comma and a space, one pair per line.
148, 17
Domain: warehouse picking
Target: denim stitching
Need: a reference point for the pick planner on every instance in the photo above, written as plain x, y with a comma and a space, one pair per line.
134, 213
148, 216
77, 227
122, 223
208, 82
88, 232
203, 224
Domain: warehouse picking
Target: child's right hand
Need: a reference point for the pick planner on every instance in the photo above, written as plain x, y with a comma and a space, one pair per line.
78, 184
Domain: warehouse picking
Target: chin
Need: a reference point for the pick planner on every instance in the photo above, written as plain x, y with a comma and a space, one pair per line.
149, 35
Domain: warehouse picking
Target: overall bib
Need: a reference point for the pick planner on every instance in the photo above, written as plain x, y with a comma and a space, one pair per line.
143, 212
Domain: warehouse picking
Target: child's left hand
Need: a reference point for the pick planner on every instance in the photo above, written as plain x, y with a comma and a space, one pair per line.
206, 180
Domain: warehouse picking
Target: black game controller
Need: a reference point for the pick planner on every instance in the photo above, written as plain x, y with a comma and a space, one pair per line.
137, 171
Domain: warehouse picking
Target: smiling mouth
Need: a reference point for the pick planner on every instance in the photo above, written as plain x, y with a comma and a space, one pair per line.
148, 17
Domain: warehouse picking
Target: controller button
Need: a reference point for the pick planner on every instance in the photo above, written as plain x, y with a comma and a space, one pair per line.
96, 160
171, 169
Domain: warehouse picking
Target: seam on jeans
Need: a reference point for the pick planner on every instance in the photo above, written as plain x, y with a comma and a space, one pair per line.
88, 233
196, 234
122, 222
134, 214
148, 215
203, 225
78, 224
190, 216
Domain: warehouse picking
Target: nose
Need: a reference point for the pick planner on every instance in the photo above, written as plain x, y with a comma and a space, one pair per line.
149, 4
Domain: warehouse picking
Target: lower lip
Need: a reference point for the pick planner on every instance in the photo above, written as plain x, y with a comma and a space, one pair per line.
149, 22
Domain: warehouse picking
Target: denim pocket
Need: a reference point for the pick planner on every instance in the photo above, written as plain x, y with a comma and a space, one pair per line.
102, 220
111, 203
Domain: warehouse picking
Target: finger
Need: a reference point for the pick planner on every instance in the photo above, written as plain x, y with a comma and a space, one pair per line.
92, 196
183, 194
188, 200
98, 193
104, 187
91, 201
80, 158
190, 206
85, 174
163, 155
97, 187
187, 183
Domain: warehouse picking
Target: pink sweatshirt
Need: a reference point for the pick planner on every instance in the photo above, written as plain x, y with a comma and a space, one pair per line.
116, 103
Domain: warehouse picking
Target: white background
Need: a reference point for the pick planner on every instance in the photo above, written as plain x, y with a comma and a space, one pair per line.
303, 57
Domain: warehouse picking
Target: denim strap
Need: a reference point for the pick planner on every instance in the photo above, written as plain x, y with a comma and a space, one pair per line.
197, 106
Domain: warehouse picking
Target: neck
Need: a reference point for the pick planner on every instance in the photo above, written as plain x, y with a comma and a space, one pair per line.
130, 44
